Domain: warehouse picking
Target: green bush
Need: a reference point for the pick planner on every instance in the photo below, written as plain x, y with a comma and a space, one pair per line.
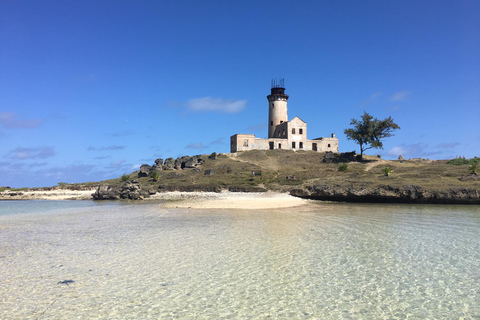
387, 171
154, 175
473, 168
125, 177
343, 167
461, 161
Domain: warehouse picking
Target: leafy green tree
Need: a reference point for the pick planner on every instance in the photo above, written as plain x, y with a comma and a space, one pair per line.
369, 132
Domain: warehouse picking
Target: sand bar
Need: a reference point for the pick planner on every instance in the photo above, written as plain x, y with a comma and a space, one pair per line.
207, 200
229, 200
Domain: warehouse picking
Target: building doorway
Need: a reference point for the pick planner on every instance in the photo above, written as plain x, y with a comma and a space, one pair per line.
271, 145
314, 147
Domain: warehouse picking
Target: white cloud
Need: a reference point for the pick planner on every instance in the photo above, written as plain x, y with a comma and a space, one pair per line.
450, 145
10, 120
31, 153
91, 148
117, 164
401, 95
196, 145
422, 150
216, 104
397, 151
372, 98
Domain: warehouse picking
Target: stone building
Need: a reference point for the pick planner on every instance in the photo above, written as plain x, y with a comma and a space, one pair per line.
282, 134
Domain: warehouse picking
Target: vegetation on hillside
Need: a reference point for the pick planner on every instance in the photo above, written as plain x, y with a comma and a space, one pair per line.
283, 170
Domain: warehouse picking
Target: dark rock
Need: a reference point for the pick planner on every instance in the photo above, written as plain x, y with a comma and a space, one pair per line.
209, 172
132, 190
169, 164
158, 166
105, 192
145, 170
213, 156
67, 282
129, 190
386, 194
180, 162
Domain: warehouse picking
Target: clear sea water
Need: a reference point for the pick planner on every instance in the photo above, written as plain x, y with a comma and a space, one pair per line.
321, 261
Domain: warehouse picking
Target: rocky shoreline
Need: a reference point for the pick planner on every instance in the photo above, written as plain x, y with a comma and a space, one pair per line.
388, 194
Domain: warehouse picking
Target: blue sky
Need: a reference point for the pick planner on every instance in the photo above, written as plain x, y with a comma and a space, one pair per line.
90, 90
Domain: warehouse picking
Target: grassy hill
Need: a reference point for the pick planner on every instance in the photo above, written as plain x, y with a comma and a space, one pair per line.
283, 170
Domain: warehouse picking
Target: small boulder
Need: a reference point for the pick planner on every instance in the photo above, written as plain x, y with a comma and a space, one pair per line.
209, 172
105, 192
169, 164
145, 170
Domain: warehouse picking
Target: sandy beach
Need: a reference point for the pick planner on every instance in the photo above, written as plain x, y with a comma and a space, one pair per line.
229, 200
205, 200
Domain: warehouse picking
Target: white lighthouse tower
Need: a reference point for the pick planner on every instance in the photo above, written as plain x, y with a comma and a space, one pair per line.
277, 106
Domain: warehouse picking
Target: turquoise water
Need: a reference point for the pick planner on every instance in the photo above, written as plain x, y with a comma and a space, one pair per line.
322, 261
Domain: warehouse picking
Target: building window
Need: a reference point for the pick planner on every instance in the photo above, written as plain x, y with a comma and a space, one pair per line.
293, 145
329, 145
281, 121
279, 146
271, 123
301, 145
293, 131
245, 143
300, 131
283, 132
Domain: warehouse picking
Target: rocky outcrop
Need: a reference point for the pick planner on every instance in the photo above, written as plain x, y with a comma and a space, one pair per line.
145, 170
386, 194
158, 166
131, 190
169, 164
187, 162
105, 192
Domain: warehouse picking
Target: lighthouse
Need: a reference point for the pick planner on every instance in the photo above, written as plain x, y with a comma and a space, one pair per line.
277, 106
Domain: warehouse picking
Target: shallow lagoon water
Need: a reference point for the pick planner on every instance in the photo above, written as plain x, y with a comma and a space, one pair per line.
322, 261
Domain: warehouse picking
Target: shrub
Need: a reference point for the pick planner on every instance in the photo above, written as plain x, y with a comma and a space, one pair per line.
154, 175
461, 161
473, 168
125, 177
343, 167
387, 171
